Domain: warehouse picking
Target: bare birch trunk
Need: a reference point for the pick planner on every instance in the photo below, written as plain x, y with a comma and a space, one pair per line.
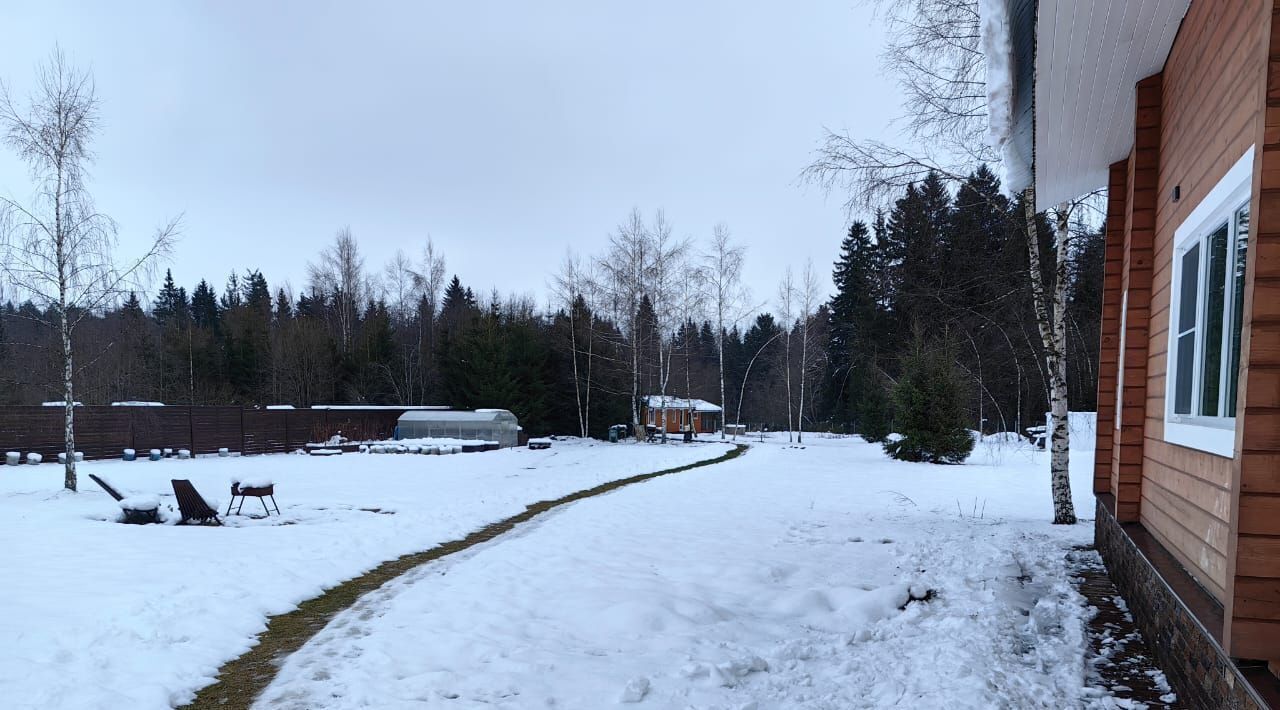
786, 333
1050, 318
720, 354
69, 405
591, 347
663, 365
635, 383
573, 351
804, 361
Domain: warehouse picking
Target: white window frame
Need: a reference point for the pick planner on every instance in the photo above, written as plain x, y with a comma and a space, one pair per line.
1215, 435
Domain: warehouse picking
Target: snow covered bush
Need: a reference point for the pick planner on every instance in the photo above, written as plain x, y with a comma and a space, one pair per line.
929, 409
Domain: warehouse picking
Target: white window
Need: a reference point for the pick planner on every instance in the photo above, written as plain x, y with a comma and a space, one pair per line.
1205, 319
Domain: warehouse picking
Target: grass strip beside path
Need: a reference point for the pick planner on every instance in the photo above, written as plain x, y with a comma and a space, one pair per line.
242, 679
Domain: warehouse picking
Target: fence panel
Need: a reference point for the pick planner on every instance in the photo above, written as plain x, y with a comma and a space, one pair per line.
160, 427
216, 428
104, 432
264, 431
305, 426
361, 424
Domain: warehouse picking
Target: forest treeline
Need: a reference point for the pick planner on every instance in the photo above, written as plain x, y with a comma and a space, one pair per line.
651, 313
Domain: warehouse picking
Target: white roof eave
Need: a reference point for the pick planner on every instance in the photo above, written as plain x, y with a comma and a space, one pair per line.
1089, 56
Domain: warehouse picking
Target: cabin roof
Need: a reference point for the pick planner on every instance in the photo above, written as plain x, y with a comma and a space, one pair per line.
654, 401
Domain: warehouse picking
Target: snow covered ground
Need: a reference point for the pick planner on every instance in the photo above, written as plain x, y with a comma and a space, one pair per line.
781, 579
102, 615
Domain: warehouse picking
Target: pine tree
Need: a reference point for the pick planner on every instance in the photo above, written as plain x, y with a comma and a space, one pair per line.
916, 241
856, 324
872, 410
309, 307
172, 313
929, 408
257, 296
284, 310
171, 305
204, 306
136, 379
978, 231
231, 296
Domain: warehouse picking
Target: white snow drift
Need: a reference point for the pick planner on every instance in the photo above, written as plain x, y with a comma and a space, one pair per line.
782, 579
103, 615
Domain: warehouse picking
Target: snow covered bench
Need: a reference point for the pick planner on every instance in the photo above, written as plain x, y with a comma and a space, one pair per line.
1038, 435
138, 510
539, 444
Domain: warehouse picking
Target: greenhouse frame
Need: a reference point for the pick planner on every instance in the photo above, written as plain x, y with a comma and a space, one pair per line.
497, 425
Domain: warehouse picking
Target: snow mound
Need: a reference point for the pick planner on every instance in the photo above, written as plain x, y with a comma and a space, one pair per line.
635, 690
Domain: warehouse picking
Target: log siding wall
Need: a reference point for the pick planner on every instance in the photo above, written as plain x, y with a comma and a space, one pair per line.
1109, 349
1217, 95
1253, 559
1136, 275
1209, 112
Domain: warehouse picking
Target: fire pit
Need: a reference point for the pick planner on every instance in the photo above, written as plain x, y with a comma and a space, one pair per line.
256, 488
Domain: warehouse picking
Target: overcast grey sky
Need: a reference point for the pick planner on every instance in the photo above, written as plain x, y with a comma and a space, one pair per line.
507, 131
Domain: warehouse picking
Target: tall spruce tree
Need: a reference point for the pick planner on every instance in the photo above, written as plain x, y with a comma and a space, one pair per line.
856, 325
916, 241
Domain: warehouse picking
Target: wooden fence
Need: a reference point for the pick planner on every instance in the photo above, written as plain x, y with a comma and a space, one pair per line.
104, 432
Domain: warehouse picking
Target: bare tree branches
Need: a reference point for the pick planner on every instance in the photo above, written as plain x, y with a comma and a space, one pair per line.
934, 52
722, 264
340, 272
58, 250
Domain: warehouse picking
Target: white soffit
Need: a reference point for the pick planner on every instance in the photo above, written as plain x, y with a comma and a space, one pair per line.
1089, 56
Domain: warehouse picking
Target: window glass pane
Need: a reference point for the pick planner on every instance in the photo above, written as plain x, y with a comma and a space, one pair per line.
1184, 361
1190, 283
1237, 306
1185, 364
1215, 302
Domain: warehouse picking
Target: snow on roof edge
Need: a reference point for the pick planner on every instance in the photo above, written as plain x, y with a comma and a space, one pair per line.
997, 46
699, 405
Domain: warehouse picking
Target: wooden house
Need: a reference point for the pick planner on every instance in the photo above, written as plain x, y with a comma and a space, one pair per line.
1173, 106
700, 416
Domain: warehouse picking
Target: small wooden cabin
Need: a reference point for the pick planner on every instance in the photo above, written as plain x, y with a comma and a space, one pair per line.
700, 416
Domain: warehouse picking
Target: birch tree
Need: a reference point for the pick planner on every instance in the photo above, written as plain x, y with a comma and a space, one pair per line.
1051, 318
339, 276
668, 254
624, 269
430, 280
403, 290
722, 266
936, 53
58, 249
569, 285
787, 313
809, 294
